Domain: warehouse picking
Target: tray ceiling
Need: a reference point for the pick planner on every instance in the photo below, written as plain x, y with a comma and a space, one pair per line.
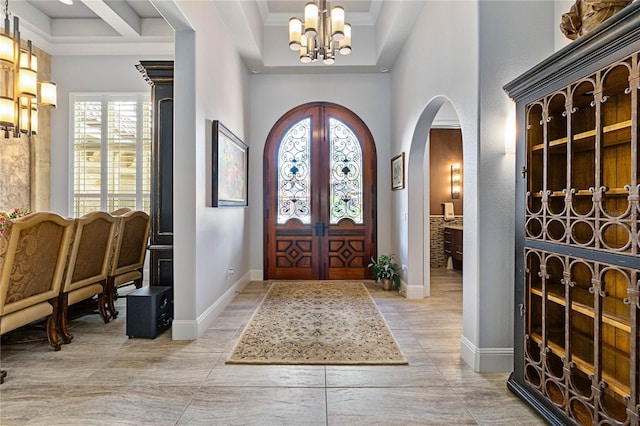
258, 27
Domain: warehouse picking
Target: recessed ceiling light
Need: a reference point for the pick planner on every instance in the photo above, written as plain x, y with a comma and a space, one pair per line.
255, 71
384, 69
69, 2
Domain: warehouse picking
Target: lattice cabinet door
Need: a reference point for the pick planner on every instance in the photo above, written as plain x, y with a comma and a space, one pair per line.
578, 239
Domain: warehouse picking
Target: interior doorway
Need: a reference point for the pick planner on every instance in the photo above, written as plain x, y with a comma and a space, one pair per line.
446, 194
438, 113
320, 195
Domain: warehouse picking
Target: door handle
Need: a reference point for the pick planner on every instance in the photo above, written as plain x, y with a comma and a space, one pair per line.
321, 228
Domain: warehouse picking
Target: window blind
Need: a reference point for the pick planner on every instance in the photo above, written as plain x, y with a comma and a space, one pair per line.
111, 152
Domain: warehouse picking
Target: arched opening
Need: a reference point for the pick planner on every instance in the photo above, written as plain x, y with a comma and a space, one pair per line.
419, 210
319, 195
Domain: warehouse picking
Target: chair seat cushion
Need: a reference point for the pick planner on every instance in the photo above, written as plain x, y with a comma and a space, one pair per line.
24, 316
128, 277
84, 293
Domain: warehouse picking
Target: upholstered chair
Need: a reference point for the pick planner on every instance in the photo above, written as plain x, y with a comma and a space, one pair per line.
87, 266
121, 211
33, 253
130, 248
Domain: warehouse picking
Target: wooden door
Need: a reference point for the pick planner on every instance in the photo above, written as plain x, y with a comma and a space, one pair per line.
320, 195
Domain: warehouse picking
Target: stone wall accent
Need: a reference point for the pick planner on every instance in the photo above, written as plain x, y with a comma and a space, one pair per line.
25, 165
436, 234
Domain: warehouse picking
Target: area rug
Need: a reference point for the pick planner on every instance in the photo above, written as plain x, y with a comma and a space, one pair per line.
318, 323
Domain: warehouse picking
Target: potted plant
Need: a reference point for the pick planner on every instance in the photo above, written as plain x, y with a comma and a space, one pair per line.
386, 270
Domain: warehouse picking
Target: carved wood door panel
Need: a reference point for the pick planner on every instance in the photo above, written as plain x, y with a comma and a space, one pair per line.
320, 193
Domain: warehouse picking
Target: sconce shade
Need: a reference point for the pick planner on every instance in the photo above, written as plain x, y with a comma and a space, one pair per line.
7, 111
455, 180
48, 94
19, 83
24, 61
28, 82
24, 119
6, 49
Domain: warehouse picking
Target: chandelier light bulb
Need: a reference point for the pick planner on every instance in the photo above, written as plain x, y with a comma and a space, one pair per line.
345, 43
337, 23
295, 33
311, 19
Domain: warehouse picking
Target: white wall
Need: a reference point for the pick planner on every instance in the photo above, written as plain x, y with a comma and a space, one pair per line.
84, 74
469, 68
560, 7
211, 83
272, 95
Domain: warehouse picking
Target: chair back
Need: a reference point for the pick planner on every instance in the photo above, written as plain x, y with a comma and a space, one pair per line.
33, 253
121, 211
91, 249
131, 242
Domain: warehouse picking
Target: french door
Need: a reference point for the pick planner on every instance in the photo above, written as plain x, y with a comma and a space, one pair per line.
320, 195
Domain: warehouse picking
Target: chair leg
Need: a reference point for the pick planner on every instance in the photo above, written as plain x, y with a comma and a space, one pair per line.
102, 305
52, 326
111, 296
63, 325
138, 282
3, 374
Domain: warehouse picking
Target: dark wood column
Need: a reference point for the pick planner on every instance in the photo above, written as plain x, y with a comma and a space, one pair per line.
159, 75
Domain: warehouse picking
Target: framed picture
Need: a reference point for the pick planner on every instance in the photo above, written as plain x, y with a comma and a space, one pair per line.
397, 172
230, 168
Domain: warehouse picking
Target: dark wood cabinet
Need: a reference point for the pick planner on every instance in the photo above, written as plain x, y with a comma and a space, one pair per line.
453, 245
577, 243
159, 74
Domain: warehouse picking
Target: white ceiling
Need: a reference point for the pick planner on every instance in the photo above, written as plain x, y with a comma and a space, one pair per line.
258, 27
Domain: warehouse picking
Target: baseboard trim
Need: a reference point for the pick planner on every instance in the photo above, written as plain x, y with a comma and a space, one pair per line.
257, 274
413, 291
486, 360
192, 329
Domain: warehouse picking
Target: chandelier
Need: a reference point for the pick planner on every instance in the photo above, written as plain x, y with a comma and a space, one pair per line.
323, 35
19, 83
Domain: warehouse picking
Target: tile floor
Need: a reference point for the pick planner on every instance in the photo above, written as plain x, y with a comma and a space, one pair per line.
105, 378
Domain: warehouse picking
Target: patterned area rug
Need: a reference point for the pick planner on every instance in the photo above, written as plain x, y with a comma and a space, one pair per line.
317, 322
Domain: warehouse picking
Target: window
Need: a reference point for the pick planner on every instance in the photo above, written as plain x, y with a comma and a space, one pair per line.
111, 152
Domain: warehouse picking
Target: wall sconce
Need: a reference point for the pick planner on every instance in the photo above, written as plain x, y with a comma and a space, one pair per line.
455, 180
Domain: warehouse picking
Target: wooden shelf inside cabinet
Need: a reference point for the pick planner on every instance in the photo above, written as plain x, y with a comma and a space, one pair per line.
614, 321
585, 366
588, 134
616, 191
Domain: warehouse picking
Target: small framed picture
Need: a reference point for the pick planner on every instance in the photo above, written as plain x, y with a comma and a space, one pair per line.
397, 172
230, 168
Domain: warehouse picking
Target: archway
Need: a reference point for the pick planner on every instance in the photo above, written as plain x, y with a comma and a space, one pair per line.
418, 253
